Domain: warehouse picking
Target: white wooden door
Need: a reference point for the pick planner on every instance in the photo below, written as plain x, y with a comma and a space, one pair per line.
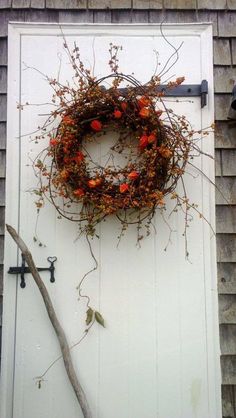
158, 356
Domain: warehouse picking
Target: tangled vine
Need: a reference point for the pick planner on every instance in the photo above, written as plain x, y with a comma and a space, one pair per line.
153, 146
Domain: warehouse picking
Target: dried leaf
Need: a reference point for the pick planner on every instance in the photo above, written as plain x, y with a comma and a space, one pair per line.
99, 319
89, 317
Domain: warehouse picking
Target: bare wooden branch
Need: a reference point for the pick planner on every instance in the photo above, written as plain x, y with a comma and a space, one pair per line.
55, 323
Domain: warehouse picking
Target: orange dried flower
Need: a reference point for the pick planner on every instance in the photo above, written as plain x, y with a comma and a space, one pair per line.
79, 192
53, 142
117, 114
133, 175
124, 187
144, 112
123, 106
67, 160
94, 183
64, 174
165, 152
79, 157
143, 141
143, 102
96, 125
67, 120
152, 138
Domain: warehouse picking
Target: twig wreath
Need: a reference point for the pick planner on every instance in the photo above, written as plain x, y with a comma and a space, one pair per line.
153, 143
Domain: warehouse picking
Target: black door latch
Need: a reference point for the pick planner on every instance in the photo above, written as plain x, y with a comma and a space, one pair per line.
22, 270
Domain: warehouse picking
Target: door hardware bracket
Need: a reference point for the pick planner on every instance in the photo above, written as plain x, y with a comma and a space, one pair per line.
22, 270
187, 90
183, 90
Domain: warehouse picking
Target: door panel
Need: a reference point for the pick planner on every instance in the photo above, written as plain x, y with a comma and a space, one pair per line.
153, 359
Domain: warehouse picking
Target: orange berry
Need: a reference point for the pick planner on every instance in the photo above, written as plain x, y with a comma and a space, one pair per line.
79, 192
96, 125
143, 101
133, 175
143, 141
64, 174
79, 157
98, 182
152, 138
123, 106
117, 114
124, 187
144, 112
53, 142
94, 183
67, 120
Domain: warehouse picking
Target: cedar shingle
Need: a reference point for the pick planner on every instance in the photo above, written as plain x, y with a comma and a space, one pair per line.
109, 4
3, 107
2, 220
2, 163
212, 4
4, 4
229, 162
37, 4
1, 248
2, 135
140, 16
222, 54
228, 338
218, 171
226, 248
231, 4
180, 4
226, 219
66, 4
3, 79
41, 15
228, 369
233, 42
228, 394
102, 16
2, 192
80, 16
225, 135
224, 79
3, 51
227, 309
222, 104
20, 4
121, 16
147, 4
227, 24
226, 273
226, 190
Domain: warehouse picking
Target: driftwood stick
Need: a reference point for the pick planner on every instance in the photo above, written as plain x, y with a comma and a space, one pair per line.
55, 323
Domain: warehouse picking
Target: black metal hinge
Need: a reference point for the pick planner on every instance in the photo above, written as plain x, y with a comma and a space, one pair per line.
183, 90
22, 270
187, 90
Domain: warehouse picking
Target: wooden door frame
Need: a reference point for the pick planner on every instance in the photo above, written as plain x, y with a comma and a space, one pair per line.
16, 32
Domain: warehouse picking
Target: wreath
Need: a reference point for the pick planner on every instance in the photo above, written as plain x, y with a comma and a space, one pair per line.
152, 145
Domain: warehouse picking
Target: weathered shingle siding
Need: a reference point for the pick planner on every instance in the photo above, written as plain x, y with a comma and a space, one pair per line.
222, 13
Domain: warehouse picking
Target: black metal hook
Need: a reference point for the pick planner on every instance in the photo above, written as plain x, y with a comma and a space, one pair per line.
22, 270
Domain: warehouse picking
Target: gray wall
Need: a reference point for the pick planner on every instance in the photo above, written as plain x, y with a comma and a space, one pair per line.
223, 15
